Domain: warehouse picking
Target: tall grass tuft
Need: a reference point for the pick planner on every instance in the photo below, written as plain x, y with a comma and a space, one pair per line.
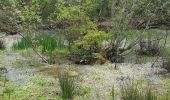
131, 93
113, 93
48, 43
149, 95
67, 85
2, 45
134, 92
23, 44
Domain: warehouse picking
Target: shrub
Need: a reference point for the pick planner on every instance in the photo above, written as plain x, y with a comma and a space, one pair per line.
89, 44
67, 85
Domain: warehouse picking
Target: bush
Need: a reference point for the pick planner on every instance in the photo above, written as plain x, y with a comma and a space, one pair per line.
89, 44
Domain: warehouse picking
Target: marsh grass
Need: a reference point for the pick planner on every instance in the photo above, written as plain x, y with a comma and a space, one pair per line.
68, 86
134, 91
48, 44
2, 46
23, 44
52, 46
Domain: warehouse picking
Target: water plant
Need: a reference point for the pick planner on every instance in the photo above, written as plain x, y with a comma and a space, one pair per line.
23, 44
48, 44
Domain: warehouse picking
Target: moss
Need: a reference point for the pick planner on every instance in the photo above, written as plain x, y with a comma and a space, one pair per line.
41, 81
84, 90
27, 53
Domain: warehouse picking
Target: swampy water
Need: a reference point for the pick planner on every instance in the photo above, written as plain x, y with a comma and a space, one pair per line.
32, 78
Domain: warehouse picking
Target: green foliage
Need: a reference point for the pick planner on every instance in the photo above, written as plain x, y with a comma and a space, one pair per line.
19, 15
36, 86
76, 15
89, 44
8, 17
52, 46
8, 91
72, 20
129, 14
48, 43
30, 13
98, 9
67, 85
92, 38
157, 9
23, 44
